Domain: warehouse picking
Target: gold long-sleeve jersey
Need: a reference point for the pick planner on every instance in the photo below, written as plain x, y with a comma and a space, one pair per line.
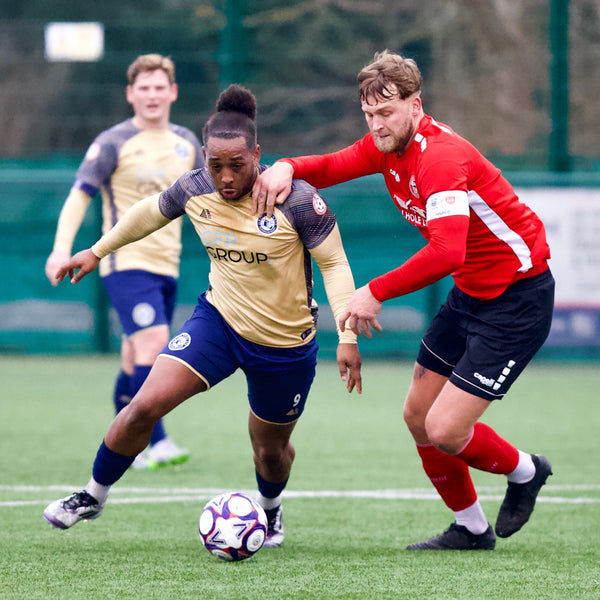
261, 269
127, 164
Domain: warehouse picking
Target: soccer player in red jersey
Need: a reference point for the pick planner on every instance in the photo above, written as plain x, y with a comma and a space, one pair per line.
497, 315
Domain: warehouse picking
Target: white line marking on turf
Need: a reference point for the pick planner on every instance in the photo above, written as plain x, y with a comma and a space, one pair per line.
592, 487
164, 495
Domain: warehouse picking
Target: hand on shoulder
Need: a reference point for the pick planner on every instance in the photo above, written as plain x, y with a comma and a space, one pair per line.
271, 187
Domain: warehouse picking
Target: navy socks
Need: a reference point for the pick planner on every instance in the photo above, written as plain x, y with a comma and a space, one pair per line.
110, 466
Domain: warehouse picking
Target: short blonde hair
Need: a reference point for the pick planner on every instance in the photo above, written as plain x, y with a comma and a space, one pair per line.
389, 75
151, 62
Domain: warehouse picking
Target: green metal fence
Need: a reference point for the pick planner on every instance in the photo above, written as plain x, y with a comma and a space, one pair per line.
36, 317
515, 78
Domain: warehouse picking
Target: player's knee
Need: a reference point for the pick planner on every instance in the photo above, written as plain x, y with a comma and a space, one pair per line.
410, 415
147, 343
414, 417
443, 436
140, 416
273, 456
268, 455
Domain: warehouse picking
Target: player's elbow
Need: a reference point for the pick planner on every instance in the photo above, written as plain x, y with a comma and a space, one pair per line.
455, 258
451, 259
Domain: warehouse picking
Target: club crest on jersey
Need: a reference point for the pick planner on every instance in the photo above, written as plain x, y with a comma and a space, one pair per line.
412, 186
181, 151
319, 204
143, 314
93, 151
180, 342
267, 226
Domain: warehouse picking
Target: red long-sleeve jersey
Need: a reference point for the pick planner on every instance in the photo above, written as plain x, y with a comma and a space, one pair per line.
477, 228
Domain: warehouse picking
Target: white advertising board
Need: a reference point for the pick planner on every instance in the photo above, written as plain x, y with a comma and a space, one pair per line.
572, 220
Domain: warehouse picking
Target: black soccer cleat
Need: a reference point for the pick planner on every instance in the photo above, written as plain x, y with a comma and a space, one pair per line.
275, 531
519, 501
458, 537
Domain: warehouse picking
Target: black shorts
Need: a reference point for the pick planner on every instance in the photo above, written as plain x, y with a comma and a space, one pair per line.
483, 345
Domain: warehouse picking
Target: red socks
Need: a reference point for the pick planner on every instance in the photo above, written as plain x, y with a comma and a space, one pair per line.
450, 477
485, 451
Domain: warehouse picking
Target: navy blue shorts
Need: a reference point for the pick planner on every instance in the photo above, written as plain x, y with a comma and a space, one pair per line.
279, 379
141, 299
483, 345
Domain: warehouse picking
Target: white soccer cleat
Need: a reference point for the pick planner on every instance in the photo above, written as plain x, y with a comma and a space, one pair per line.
64, 513
166, 453
141, 461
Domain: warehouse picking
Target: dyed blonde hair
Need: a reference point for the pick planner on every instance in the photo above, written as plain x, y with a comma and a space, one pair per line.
151, 62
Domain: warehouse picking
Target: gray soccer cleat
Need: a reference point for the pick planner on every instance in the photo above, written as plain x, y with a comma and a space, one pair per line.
64, 513
275, 532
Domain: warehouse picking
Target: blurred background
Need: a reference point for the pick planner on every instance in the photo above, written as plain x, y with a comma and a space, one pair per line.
518, 79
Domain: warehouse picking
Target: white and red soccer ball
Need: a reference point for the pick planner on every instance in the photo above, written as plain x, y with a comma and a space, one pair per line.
233, 526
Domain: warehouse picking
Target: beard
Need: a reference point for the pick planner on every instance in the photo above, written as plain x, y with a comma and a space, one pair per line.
393, 143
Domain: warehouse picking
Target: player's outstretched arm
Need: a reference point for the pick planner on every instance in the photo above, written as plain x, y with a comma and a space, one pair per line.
139, 220
339, 286
271, 187
349, 363
69, 222
78, 266
55, 260
361, 313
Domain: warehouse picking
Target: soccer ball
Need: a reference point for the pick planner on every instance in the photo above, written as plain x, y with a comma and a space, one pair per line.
233, 526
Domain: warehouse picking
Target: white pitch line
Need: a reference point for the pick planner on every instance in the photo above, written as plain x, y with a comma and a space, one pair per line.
204, 494
118, 489
114, 490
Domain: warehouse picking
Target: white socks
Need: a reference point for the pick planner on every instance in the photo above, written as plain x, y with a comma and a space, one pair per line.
525, 469
100, 492
472, 518
267, 503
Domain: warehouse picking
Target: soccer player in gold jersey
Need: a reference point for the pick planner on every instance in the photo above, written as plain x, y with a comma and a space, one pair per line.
126, 163
257, 315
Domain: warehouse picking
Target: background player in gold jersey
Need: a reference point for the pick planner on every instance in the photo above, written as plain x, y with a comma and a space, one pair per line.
130, 161
257, 315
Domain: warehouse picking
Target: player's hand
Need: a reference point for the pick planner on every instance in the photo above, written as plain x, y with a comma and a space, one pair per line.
79, 266
271, 187
349, 363
56, 259
361, 313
